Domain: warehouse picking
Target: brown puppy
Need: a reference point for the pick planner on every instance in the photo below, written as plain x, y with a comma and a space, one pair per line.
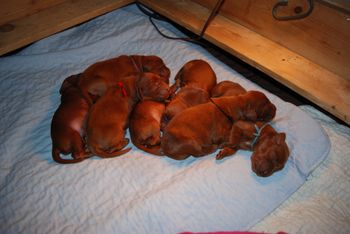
270, 151
67, 126
201, 129
97, 78
145, 124
109, 116
227, 88
107, 122
187, 97
252, 105
195, 73
196, 131
150, 86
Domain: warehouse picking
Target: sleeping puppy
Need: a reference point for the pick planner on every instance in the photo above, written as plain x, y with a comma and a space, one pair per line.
227, 88
150, 86
252, 105
196, 131
202, 129
109, 116
270, 151
67, 126
195, 73
97, 78
107, 122
185, 98
145, 124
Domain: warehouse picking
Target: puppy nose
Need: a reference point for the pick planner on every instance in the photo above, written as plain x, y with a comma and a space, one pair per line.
261, 168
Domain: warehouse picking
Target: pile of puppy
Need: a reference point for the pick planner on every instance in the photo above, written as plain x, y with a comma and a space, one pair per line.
193, 117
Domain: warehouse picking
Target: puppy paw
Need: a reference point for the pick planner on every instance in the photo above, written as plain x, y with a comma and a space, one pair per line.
225, 152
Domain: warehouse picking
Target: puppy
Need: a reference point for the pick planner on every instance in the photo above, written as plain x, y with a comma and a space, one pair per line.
109, 116
97, 78
107, 122
202, 129
196, 131
67, 126
270, 151
185, 98
195, 73
227, 88
145, 124
252, 105
150, 86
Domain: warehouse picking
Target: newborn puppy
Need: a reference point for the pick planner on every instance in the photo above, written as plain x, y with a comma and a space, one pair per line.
270, 151
185, 98
196, 131
152, 64
227, 88
97, 78
150, 86
195, 73
109, 116
145, 126
252, 105
201, 129
67, 126
107, 122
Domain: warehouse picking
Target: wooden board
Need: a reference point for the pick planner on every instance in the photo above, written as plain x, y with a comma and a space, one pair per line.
318, 84
23, 31
15, 9
316, 37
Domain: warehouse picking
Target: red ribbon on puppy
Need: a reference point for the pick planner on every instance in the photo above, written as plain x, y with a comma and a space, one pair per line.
121, 86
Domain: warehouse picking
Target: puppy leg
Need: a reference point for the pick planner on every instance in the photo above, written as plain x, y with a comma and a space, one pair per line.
225, 152
78, 146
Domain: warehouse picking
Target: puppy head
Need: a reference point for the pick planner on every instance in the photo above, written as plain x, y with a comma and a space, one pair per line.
258, 107
69, 82
154, 64
151, 86
227, 88
270, 155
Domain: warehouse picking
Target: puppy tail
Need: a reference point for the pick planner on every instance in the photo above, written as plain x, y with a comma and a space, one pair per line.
103, 154
56, 156
155, 149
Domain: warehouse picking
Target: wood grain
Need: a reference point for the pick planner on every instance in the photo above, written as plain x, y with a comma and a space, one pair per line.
51, 20
323, 37
15, 9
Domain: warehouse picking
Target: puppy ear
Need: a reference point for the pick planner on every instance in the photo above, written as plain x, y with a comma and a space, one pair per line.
226, 105
72, 80
280, 138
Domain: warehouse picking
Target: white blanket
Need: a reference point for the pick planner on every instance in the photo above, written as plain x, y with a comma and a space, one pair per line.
135, 193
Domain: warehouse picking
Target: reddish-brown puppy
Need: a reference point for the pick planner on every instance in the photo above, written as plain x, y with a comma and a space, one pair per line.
227, 88
109, 116
201, 129
145, 124
187, 97
252, 105
196, 131
97, 78
270, 151
67, 126
195, 73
